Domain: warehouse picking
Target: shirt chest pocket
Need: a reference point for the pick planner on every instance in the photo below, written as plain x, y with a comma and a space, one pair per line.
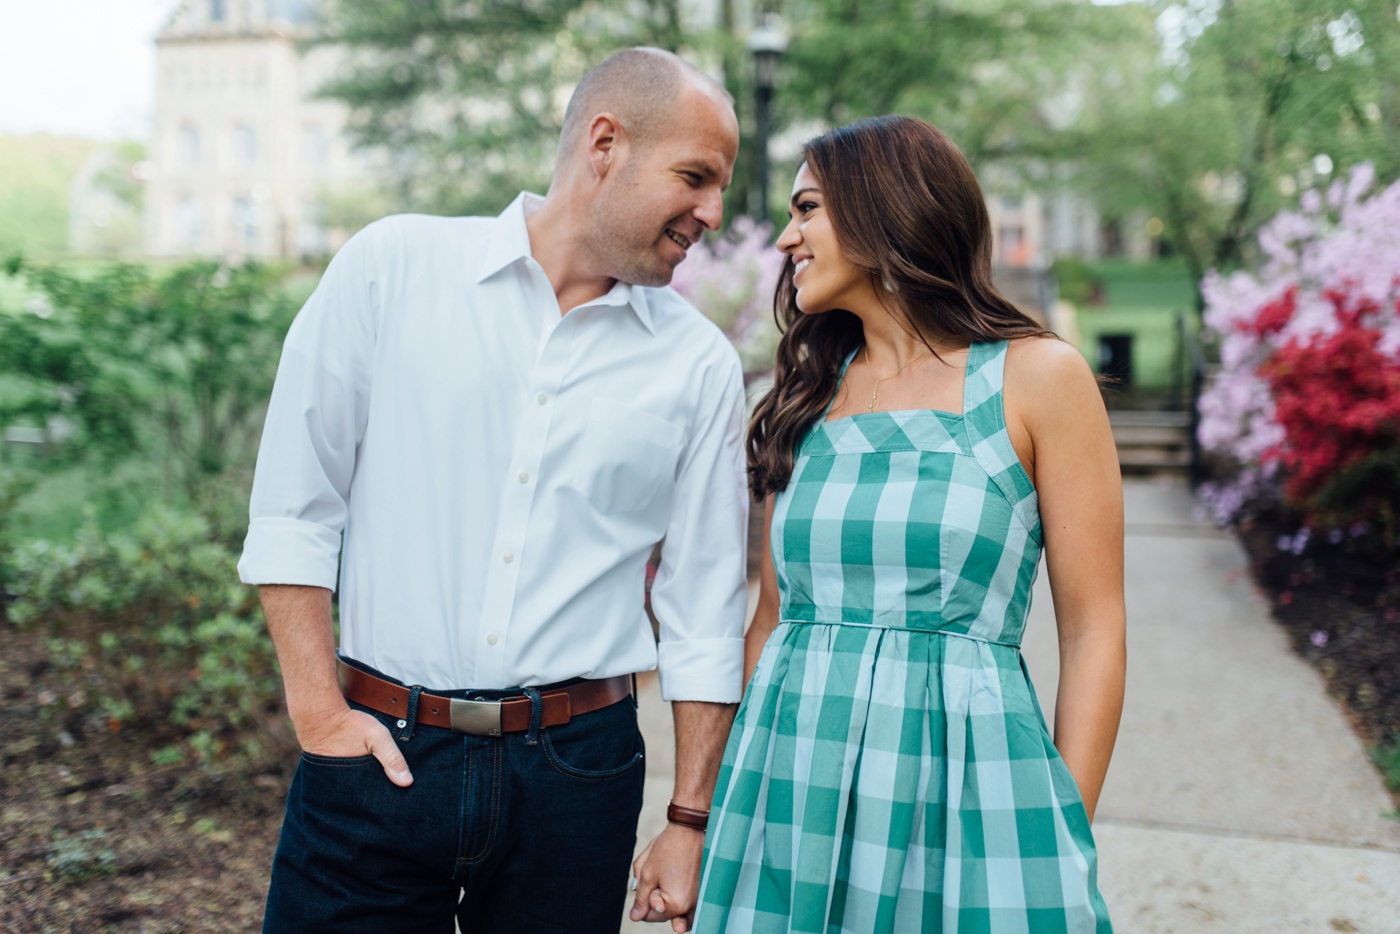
627, 457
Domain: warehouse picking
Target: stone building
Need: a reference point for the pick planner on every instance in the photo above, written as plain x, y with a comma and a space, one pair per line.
1035, 228
243, 155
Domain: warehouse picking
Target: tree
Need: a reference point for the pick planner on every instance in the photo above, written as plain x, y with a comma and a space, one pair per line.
466, 99
1248, 104
1003, 78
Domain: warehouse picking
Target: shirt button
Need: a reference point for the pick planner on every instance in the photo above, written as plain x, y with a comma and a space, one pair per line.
491, 638
524, 477
508, 557
541, 398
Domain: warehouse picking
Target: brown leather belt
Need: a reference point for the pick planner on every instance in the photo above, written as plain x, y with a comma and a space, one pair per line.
483, 717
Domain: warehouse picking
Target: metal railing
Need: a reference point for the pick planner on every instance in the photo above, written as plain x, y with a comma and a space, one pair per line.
1188, 380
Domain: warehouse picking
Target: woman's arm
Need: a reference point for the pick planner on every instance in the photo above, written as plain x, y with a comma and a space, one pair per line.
1059, 425
765, 616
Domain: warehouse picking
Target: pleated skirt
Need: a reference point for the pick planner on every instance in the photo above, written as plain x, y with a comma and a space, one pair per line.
895, 780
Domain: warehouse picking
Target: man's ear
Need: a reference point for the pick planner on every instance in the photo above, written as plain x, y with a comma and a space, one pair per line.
606, 143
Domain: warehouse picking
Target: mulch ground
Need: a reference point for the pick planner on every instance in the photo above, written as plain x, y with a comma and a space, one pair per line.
94, 836
1341, 611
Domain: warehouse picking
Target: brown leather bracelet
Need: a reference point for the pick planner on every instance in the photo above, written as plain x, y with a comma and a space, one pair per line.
687, 817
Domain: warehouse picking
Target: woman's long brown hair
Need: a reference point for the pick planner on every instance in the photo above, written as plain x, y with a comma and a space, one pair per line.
906, 209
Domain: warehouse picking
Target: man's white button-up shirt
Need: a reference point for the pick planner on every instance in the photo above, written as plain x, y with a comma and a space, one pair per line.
500, 473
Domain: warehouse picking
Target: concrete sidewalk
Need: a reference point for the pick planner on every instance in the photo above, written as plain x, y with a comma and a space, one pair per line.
1239, 800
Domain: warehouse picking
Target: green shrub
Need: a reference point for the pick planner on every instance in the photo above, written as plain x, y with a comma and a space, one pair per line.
1075, 280
12, 486
1387, 759
170, 367
153, 627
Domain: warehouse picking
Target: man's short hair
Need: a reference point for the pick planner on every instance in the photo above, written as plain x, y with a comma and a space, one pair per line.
638, 85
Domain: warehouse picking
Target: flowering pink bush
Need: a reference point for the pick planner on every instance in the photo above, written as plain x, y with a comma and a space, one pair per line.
731, 279
1307, 400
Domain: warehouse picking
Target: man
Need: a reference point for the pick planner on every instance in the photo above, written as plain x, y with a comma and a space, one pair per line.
503, 416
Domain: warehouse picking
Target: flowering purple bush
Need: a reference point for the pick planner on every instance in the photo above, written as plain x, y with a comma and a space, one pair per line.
731, 279
1330, 279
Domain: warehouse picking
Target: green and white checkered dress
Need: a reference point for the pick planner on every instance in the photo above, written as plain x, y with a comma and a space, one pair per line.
890, 769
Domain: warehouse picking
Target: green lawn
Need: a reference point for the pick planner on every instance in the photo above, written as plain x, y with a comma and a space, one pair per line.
35, 171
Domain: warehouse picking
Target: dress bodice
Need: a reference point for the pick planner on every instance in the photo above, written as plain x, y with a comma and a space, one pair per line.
915, 519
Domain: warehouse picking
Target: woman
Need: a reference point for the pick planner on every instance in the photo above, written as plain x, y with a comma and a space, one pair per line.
890, 768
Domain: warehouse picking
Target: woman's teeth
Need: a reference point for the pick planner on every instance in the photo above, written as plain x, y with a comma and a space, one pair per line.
801, 265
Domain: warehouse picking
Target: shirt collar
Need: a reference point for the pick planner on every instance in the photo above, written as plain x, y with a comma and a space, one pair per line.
509, 242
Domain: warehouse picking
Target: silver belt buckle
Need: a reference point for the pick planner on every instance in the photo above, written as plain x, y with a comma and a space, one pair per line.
476, 717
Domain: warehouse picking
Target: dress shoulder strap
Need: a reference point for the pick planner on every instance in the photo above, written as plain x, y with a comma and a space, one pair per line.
984, 420
982, 391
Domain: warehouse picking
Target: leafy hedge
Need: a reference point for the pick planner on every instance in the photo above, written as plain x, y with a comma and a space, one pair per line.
150, 629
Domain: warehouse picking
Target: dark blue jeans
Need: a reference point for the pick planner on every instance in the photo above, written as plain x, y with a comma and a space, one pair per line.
528, 832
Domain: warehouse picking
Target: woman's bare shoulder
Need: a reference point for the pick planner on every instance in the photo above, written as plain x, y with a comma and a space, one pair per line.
1047, 380
1047, 364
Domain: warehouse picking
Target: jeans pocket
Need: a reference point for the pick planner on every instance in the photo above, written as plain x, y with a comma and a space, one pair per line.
596, 746
310, 758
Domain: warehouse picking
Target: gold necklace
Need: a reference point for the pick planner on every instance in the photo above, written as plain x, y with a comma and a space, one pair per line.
875, 395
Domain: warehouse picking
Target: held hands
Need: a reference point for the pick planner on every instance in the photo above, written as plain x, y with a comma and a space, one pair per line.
668, 877
348, 732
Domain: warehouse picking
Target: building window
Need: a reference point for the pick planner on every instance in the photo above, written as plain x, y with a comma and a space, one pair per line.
218, 10
1012, 245
313, 146
187, 222
245, 145
245, 227
311, 235
188, 145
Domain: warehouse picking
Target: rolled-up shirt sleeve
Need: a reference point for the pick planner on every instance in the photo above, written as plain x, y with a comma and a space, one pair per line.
700, 594
316, 417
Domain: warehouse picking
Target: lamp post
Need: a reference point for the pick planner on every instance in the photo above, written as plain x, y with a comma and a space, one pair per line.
767, 43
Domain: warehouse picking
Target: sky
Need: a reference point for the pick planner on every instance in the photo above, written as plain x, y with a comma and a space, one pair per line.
79, 67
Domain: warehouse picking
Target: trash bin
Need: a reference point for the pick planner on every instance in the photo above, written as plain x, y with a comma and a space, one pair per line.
1116, 358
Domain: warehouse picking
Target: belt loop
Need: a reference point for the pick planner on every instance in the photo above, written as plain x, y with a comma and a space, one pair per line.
532, 738
411, 718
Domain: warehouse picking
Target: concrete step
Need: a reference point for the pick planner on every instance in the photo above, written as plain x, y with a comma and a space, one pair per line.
1152, 441
1149, 418
1142, 460
1142, 436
